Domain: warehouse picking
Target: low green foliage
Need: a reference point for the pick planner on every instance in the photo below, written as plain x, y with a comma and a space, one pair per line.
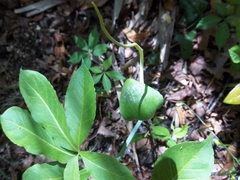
162, 133
56, 131
233, 96
103, 73
192, 10
188, 160
185, 42
234, 53
89, 49
227, 16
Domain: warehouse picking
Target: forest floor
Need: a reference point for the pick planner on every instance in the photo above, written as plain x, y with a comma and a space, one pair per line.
45, 42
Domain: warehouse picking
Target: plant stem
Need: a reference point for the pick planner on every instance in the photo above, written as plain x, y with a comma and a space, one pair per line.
140, 50
141, 74
129, 139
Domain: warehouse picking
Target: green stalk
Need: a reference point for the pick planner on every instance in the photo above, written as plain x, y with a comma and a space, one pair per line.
141, 74
140, 50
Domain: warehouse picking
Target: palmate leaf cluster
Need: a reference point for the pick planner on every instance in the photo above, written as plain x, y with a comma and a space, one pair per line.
223, 15
57, 131
103, 73
88, 50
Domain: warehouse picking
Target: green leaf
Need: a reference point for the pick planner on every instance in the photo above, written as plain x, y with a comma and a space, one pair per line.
192, 9
45, 108
233, 96
221, 8
81, 43
188, 160
171, 142
186, 45
71, 170
208, 21
222, 35
180, 132
22, 130
233, 2
161, 131
138, 137
107, 63
234, 53
47, 171
102, 166
231, 20
100, 49
115, 75
96, 78
235, 67
238, 12
93, 38
96, 69
80, 104
77, 57
84, 174
238, 31
106, 83
191, 35
154, 58
87, 61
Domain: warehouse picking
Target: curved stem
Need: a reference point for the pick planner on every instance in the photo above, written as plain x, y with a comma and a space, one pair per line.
141, 74
140, 50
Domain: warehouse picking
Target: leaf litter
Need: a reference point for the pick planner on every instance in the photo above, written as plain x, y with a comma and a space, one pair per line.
45, 42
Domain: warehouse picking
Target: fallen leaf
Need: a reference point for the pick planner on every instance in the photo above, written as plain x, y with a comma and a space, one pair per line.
133, 36
86, 4
64, 9
180, 95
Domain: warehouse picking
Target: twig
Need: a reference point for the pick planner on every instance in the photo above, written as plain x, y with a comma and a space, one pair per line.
210, 109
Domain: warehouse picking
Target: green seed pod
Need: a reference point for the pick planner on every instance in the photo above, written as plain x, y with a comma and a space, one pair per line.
139, 101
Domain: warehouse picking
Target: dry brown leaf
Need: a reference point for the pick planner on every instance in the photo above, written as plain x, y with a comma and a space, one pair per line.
55, 79
217, 126
180, 95
38, 17
143, 145
64, 9
180, 117
105, 131
128, 52
175, 71
59, 48
42, 64
169, 4
197, 65
200, 107
135, 37
229, 161
86, 4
